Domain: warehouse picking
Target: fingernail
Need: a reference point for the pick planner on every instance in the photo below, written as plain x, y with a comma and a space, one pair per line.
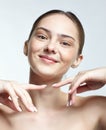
68, 104
19, 109
33, 109
54, 85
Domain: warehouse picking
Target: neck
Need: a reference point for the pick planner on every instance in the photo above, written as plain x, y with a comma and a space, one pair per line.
43, 79
46, 98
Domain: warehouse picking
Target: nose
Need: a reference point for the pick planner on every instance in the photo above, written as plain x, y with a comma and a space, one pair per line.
51, 47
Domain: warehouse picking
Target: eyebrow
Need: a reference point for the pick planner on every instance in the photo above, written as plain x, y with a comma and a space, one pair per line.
62, 35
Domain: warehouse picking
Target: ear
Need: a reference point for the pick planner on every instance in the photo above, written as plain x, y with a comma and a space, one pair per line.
77, 61
25, 49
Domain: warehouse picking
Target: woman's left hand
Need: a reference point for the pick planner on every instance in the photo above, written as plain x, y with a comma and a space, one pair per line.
84, 81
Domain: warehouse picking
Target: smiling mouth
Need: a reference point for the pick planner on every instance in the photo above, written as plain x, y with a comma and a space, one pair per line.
48, 59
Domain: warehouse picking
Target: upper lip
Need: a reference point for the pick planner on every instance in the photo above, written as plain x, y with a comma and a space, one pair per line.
49, 58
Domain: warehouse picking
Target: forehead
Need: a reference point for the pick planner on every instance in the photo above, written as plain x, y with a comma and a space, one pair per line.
59, 23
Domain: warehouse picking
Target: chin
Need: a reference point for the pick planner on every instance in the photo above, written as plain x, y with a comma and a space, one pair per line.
49, 76
47, 72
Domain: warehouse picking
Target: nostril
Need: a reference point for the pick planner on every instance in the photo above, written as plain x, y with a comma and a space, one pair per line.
49, 49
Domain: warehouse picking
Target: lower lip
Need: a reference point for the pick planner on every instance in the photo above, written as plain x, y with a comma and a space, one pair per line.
47, 60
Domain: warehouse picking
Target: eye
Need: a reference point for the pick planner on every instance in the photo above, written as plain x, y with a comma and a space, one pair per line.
42, 37
65, 44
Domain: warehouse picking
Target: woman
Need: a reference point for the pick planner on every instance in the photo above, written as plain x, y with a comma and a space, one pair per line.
54, 45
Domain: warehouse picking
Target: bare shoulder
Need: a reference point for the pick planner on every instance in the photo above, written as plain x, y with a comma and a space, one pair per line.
93, 101
89, 106
89, 112
95, 108
94, 104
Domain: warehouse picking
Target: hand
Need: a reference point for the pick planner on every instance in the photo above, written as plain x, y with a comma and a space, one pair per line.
84, 81
11, 93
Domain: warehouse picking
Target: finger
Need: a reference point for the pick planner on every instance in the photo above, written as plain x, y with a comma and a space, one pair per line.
83, 88
79, 80
4, 99
25, 99
62, 83
69, 102
32, 86
89, 86
13, 96
29, 105
71, 98
9, 104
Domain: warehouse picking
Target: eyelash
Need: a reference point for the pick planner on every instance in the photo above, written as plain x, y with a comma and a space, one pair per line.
65, 44
42, 37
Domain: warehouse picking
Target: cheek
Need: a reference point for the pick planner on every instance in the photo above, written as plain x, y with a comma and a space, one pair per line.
34, 47
68, 57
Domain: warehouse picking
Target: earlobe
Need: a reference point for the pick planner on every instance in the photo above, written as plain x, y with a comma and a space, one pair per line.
73, 66
77, 61
25, 50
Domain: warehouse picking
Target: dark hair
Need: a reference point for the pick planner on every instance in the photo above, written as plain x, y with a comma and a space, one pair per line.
71, 16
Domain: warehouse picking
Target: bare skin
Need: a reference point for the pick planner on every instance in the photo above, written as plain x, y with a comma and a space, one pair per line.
53, 47
84, 81
85, 114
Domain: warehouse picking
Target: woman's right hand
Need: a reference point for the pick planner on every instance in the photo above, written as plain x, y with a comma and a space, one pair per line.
12, 92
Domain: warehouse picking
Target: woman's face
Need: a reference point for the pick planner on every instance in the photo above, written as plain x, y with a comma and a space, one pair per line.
53, 46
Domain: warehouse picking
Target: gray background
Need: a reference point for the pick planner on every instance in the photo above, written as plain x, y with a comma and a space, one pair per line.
17, 17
